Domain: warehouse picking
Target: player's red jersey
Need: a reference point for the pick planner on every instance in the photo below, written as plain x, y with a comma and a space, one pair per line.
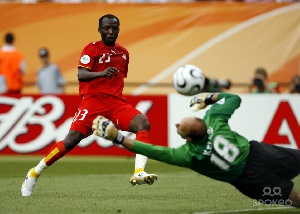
97, 57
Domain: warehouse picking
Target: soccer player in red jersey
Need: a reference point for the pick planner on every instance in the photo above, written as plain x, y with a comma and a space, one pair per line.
103, 65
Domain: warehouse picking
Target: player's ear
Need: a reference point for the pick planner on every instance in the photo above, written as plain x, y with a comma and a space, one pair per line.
99, 29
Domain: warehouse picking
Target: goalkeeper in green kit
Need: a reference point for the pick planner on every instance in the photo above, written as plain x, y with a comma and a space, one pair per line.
260, 171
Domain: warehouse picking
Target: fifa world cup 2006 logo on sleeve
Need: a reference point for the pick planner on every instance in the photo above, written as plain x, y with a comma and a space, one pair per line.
272, 195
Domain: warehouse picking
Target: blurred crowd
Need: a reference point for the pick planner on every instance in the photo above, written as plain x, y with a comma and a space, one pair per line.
49, 78
259, 84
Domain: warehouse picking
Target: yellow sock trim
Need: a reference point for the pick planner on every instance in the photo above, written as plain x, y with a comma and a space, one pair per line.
33, 174
138, 170
54, 152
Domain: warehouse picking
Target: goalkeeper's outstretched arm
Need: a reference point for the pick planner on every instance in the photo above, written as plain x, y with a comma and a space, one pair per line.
128, 143
202, 100
106, 129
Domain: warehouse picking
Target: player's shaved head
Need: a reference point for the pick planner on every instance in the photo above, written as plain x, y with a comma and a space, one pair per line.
191, 128
109, 16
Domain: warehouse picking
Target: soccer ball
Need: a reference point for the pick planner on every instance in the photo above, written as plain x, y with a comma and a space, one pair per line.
188, 80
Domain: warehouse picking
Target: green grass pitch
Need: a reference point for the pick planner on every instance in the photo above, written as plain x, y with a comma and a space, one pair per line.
100, 185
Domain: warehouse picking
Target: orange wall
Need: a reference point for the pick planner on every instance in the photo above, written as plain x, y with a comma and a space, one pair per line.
226, 40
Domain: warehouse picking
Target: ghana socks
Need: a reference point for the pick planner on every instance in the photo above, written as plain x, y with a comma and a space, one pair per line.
141, 160
56, 152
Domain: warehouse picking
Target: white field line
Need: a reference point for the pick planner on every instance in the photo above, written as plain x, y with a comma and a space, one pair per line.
246, 210
211, 43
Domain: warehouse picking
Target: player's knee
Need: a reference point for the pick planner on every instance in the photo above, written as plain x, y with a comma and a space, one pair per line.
138, 123
144, 125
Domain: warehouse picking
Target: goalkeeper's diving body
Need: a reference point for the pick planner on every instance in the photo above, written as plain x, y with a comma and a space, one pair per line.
260, 171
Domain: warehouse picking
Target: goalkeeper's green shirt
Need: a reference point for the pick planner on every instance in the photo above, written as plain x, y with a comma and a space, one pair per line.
221, 155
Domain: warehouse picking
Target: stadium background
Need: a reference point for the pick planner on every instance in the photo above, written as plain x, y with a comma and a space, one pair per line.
226, 40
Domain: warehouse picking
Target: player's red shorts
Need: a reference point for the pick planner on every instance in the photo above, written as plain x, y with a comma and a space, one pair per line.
111, 107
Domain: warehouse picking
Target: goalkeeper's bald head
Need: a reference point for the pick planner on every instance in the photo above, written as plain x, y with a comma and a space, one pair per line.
192, 128
198, 131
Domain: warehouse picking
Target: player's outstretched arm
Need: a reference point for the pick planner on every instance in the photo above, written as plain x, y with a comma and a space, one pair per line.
127, 143
106, 129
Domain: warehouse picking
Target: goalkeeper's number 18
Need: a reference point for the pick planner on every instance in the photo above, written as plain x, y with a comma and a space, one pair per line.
226, 152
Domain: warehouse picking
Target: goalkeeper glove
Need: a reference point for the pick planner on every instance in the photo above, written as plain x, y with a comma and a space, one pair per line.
103, 127
201, 101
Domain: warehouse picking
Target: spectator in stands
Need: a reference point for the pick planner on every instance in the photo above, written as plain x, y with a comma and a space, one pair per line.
49, 78
216, 85
12, 67
295, 85
3, 88
259, 83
